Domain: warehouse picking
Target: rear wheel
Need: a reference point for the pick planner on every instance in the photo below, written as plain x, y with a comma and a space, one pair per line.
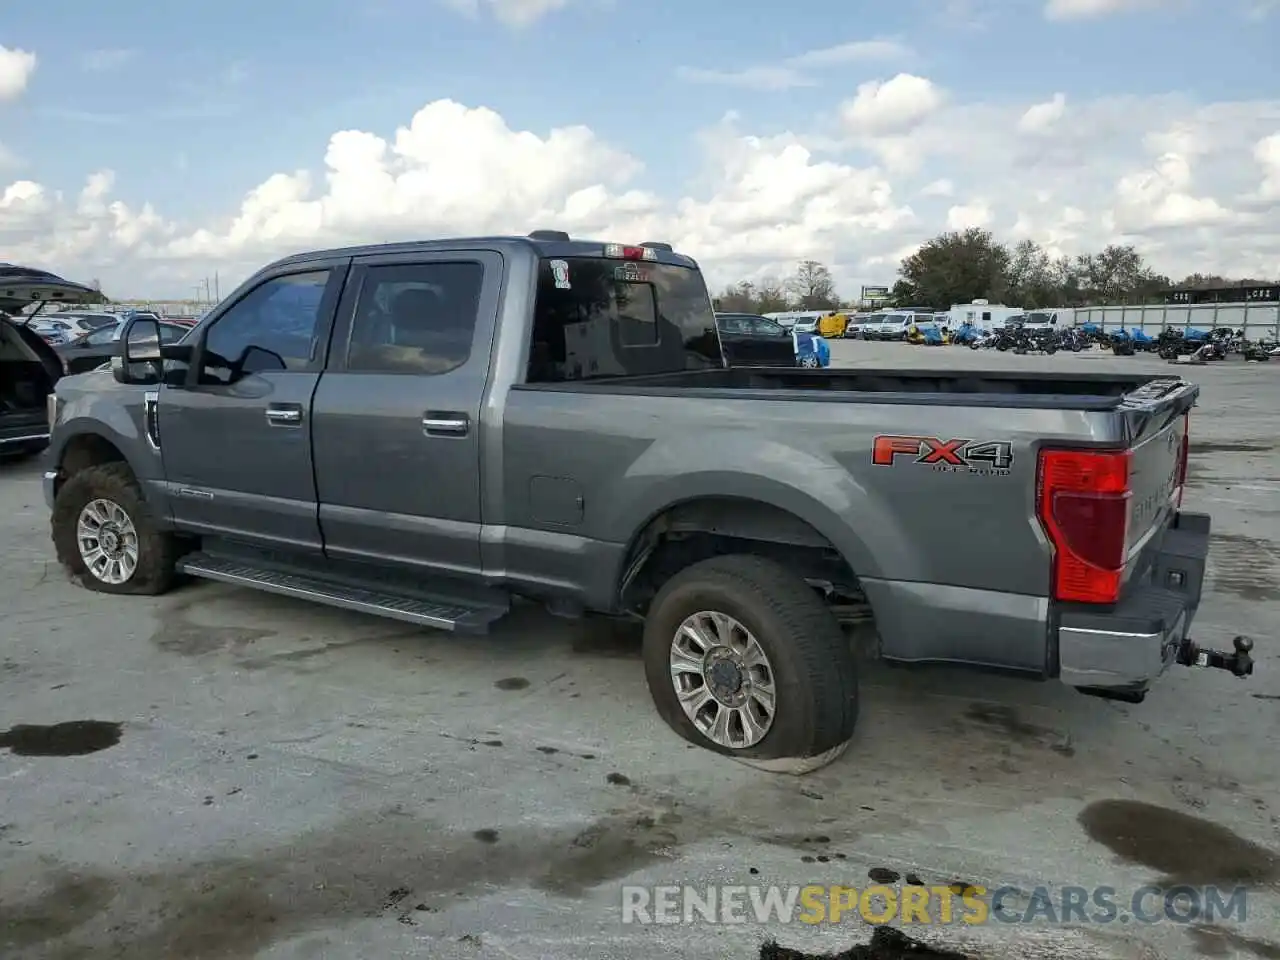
105, 536
743, 658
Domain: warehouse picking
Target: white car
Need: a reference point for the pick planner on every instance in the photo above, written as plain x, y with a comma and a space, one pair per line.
65, 327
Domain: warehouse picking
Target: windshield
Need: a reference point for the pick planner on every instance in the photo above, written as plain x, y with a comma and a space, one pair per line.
1038, 317
597, 317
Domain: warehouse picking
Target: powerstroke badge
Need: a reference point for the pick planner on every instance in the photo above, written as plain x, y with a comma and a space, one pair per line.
983, 457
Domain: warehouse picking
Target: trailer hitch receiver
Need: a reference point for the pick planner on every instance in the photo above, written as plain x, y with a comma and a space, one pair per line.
1240, 663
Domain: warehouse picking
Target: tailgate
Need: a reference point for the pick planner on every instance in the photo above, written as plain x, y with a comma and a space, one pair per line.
1157, 420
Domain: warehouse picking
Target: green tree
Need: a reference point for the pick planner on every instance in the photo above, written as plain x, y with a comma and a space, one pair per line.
1031, 277
956, 267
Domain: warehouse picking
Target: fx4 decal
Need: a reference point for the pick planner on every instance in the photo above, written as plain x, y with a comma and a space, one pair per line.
983, 457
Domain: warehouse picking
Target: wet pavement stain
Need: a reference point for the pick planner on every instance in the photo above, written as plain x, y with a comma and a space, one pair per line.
887, 943
608, 639
177, 633
1005, 719
1213, 941
511, 683
234, 907
1244, 566
75, 738
1183, 848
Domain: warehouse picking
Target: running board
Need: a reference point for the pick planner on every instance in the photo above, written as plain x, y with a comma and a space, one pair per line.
440, 614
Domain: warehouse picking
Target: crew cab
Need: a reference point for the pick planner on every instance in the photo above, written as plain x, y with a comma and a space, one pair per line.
433, 431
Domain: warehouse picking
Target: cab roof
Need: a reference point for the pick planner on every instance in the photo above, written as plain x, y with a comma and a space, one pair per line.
546, 244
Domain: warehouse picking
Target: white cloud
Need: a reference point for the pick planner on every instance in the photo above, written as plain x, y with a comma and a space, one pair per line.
891, 106
797, 71
964, 216
1190, 184
16, 68
1042, 116
1267, 153
1160, 197
1091, 9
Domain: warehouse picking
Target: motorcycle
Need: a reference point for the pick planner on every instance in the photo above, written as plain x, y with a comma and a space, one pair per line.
1121, 343
1142, 341
1169, 344
1071, 338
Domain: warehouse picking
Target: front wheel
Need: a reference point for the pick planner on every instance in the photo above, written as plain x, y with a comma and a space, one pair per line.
744, 658
105, 536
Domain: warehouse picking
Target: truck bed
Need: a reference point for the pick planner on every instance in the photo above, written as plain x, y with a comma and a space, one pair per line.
994, 388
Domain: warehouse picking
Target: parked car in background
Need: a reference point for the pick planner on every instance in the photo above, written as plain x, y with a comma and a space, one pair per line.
29, 367
833, 325
895, 326
861, 326
749, 340
92, 350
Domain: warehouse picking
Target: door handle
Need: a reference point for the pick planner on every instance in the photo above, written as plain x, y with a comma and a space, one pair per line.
445, 423
284, 414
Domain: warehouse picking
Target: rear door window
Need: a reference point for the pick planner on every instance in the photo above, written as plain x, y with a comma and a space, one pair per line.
597, 318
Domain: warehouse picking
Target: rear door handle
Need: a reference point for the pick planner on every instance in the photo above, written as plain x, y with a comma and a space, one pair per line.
284, 414
445, 423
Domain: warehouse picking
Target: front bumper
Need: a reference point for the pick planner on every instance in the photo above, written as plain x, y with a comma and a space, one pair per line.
1134, 642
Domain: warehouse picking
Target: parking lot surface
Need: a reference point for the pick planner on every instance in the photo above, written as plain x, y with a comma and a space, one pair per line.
293, 781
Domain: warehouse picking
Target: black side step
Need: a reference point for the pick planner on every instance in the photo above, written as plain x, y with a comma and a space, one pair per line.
460, 616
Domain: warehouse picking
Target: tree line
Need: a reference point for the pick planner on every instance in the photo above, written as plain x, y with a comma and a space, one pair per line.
967, 265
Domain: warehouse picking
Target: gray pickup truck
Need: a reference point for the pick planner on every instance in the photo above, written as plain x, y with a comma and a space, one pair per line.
432, 431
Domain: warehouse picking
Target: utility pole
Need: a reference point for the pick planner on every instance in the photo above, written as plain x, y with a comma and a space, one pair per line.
217, 294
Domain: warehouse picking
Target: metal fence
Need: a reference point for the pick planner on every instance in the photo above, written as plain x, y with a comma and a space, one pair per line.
1259, 320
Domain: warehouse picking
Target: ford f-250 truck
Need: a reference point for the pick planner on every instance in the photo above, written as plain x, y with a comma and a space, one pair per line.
429, 431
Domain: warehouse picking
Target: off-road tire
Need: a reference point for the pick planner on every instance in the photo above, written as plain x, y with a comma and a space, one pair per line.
157, 551
813, 662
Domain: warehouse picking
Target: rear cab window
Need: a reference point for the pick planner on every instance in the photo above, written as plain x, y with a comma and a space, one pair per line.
597, 317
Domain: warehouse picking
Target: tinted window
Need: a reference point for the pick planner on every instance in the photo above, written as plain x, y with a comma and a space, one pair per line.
596, 317
277, 319
415, 318
764, 327
169, 332
103, 337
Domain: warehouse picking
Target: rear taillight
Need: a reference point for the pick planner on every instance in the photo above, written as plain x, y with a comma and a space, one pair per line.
1184, 457
1083, 505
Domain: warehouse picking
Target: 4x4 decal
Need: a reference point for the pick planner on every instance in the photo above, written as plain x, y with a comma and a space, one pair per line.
989, 457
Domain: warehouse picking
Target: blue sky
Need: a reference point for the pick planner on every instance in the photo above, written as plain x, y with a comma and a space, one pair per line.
192, 106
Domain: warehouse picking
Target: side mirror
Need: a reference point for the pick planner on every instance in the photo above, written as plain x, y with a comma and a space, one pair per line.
139, 344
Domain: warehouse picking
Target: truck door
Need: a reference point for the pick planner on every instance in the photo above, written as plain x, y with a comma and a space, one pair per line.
396, 422
235, 437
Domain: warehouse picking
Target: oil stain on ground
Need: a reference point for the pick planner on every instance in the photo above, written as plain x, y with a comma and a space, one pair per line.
1244, 566
1004, 719
887, 943
1183, 848
75, 738
234, 907
176, 632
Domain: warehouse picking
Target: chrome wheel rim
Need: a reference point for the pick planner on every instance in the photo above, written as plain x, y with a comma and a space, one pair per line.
108, 541
808, 361
723, 680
